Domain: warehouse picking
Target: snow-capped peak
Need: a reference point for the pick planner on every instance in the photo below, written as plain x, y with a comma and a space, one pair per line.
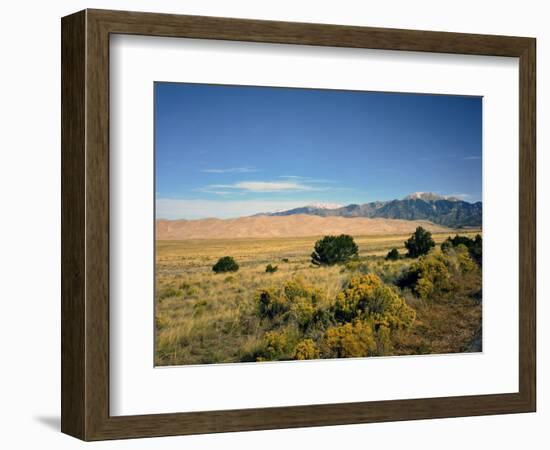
324, 205
429, 196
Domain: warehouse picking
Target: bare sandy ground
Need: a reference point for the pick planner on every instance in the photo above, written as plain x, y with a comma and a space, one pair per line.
285, 226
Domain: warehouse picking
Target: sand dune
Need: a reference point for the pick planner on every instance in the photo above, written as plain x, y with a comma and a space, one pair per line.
284, 226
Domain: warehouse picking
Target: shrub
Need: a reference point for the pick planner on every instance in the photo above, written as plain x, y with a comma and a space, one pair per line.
424, 288
271, 303
433, 276
276, 345
356, 266
271, 269
465, 262
438, 274
446, 245
367, 297
334, 249
349, 340
476, 250
383, 341
297, 287
474, 246
306, 349
392, 255
302, 311
419, 243
295, 300
225, 264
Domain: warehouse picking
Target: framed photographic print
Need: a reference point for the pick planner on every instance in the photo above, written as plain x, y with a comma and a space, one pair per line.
271, 225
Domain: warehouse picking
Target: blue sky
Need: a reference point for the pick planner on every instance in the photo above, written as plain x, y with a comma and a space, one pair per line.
230, 151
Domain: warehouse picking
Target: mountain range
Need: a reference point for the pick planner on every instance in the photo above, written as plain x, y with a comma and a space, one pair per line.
442, 210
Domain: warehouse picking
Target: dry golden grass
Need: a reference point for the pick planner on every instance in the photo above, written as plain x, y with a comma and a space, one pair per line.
203, 317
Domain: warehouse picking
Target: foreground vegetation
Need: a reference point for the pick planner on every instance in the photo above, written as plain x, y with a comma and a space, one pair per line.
276, 305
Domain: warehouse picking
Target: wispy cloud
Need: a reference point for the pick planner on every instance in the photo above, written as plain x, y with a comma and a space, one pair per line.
459, 196
207, 191
167, 208
265, 186
231, 170
302, 179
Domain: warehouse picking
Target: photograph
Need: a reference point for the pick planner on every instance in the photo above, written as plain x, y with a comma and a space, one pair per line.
300, 224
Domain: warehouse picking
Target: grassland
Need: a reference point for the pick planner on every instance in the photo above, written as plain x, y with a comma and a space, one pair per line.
203, 317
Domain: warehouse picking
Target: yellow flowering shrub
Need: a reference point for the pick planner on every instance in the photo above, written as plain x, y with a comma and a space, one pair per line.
466, 263
432, 275
302, 311
383, 341
442, 274
298, 288
306, 349
271, 304
350, 340
295, 300
277, 345
367, 297
424, 288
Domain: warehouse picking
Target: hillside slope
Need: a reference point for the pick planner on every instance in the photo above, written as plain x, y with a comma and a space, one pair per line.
284, 226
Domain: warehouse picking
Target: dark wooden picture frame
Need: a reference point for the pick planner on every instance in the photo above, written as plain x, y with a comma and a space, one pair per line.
85, 224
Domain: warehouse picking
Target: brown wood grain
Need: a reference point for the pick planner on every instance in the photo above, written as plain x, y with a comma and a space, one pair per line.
85, 224
527, 224
73, 226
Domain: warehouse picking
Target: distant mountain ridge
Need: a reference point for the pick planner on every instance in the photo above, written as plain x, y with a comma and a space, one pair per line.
442, 210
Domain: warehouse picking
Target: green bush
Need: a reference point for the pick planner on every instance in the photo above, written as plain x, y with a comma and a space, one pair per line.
419, 243
474, 246
476, 250
392, 255
334, 249
225, 264
271, 269
465, 262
